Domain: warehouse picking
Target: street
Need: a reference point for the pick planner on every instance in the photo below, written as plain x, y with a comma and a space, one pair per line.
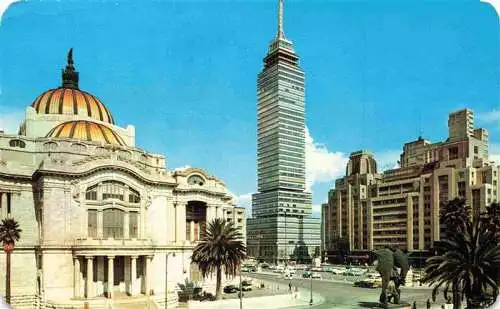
344, 295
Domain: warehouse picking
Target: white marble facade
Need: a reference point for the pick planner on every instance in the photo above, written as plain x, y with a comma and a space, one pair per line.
100, 218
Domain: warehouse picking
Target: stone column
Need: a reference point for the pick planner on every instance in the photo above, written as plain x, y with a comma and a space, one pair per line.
3, 205
180, 219
171, 222
148, 274
100, 226
76, 277
133, 274
90, 276
111, 276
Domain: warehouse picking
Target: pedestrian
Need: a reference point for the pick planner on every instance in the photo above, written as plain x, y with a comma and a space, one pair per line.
296, 292
290, 286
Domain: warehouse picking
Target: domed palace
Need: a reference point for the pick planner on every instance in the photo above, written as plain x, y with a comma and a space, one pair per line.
102, 220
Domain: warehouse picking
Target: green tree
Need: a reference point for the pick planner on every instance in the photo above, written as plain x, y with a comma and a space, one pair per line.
468, 263
221, 248
10, 233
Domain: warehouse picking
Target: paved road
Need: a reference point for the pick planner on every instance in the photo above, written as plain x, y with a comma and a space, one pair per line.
344, 295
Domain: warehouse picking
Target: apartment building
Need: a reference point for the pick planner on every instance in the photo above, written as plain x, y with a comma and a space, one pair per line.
401, 207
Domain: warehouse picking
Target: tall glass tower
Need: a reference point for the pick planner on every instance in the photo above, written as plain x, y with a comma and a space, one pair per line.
281, 226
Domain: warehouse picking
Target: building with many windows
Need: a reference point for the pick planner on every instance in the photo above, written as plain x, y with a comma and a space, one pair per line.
99, 216
281, 225
401, 207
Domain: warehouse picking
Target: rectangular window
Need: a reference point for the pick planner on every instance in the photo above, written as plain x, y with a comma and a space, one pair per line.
113, 223
92, 223
132, 225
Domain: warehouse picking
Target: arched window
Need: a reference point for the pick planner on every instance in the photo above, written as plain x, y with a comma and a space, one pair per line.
113, 223
17, 143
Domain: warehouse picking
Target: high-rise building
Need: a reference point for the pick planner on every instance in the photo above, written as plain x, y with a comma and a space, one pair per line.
281, 225
401, 207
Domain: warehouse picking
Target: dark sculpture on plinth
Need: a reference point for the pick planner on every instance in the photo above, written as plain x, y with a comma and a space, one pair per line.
392, 266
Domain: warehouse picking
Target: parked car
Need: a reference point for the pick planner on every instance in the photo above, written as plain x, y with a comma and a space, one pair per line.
317, 269
306, 274
337, 271
207, 297
369, 283
229, 289
246, 285
316, 276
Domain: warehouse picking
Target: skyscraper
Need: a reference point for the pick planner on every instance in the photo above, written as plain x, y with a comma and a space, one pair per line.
281, 226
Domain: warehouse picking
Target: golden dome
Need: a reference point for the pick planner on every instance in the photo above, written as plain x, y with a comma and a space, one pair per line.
69, 100
66, 101
86, 131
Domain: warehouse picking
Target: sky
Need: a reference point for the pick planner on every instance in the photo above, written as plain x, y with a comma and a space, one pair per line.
378, 74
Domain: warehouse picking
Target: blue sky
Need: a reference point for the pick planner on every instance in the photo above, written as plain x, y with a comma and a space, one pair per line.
378, 74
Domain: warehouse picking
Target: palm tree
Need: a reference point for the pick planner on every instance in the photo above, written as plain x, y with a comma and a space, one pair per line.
492, 217
468, 262
222, 247
454, 214
10, 233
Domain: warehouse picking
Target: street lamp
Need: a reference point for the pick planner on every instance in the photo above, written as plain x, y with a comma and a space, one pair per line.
241, 291
166, 278
311, 287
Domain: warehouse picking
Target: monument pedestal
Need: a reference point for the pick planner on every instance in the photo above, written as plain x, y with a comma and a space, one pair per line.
401, 305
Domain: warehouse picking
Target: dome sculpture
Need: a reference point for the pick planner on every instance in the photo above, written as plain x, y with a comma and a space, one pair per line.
86, 131
69, 100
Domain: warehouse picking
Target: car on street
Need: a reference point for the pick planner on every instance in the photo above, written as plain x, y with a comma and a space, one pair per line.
369, 283
306, 274
316, 276
246, 285
229, 289
337, 271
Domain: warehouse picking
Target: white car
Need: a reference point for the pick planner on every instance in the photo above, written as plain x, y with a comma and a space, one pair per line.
337, 271
316, 276
317, 269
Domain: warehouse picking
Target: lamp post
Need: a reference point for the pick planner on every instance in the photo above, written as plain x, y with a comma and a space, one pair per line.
166, 277
311, 287
241, 291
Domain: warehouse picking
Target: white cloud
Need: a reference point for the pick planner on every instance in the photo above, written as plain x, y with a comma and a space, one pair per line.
489, 117
10, 119
4, 4
316, 208
322, 165
244, 200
